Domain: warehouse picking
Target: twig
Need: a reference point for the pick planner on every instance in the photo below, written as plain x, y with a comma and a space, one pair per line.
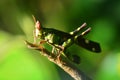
64, 63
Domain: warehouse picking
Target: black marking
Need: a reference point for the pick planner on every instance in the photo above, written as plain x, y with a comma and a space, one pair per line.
86, 41
93, 49
91, 46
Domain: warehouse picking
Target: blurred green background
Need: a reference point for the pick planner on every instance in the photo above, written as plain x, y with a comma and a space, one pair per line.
17, 62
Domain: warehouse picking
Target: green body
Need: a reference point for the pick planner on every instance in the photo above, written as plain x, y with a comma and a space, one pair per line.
64, 39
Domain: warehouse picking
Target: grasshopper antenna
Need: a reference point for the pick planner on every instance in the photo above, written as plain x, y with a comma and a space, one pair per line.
34, 18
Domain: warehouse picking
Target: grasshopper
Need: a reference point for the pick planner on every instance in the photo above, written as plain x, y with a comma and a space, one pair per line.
61, 40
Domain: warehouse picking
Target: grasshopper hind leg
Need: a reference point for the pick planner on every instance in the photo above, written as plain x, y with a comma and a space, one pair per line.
76, 31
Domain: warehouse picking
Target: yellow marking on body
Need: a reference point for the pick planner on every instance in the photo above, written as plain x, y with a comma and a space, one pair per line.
76, 37
82, 33
93, 49
69, 40
78, 28
87, 41
71, 33
49, 38
66, 43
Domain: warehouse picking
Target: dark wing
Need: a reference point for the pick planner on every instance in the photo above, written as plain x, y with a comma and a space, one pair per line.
88, 44
58, 32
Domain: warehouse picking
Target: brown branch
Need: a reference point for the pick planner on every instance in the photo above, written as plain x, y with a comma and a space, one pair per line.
62, 62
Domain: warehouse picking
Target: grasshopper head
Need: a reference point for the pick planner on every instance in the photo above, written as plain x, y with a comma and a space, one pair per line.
38, 29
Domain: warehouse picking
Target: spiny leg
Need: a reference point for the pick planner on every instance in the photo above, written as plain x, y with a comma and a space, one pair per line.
70, 41
78, 29
56, 46
55, 50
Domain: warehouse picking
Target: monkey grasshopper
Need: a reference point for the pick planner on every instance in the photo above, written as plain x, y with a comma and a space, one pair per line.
60, 40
